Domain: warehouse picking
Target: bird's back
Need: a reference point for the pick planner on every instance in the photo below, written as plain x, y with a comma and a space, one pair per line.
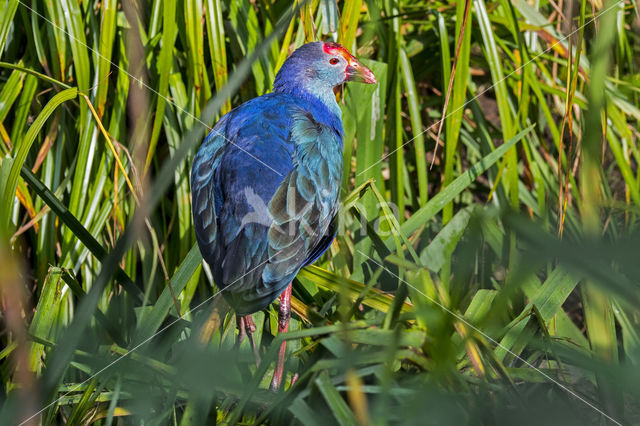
265, 192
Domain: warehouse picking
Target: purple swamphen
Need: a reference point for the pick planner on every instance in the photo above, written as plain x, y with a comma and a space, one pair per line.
265, 184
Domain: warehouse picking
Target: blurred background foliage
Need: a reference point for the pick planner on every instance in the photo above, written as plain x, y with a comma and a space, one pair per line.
493, 280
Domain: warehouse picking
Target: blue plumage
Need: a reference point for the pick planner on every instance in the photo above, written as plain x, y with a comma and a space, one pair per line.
266, 181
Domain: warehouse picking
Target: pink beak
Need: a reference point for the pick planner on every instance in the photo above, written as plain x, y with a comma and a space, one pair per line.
357, 72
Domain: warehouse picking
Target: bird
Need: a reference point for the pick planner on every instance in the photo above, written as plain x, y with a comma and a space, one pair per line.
265, 184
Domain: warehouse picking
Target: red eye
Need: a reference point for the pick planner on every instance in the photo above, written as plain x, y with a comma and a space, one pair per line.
333, 61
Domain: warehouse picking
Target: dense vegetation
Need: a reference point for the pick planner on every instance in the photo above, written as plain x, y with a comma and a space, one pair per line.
493, 280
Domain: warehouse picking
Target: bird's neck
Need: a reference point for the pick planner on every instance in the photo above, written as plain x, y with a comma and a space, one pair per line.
315, 95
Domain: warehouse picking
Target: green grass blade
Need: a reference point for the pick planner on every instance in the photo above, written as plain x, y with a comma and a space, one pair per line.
103, 68
164, 65
150, 323
44, 318
415, 112
336, 404
9, 191
217, 48
9, 8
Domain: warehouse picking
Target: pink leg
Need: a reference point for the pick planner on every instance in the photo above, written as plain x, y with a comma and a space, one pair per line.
284, 315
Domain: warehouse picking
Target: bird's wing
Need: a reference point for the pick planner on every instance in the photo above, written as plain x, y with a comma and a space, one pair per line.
264, 199
305, 205
205, 197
